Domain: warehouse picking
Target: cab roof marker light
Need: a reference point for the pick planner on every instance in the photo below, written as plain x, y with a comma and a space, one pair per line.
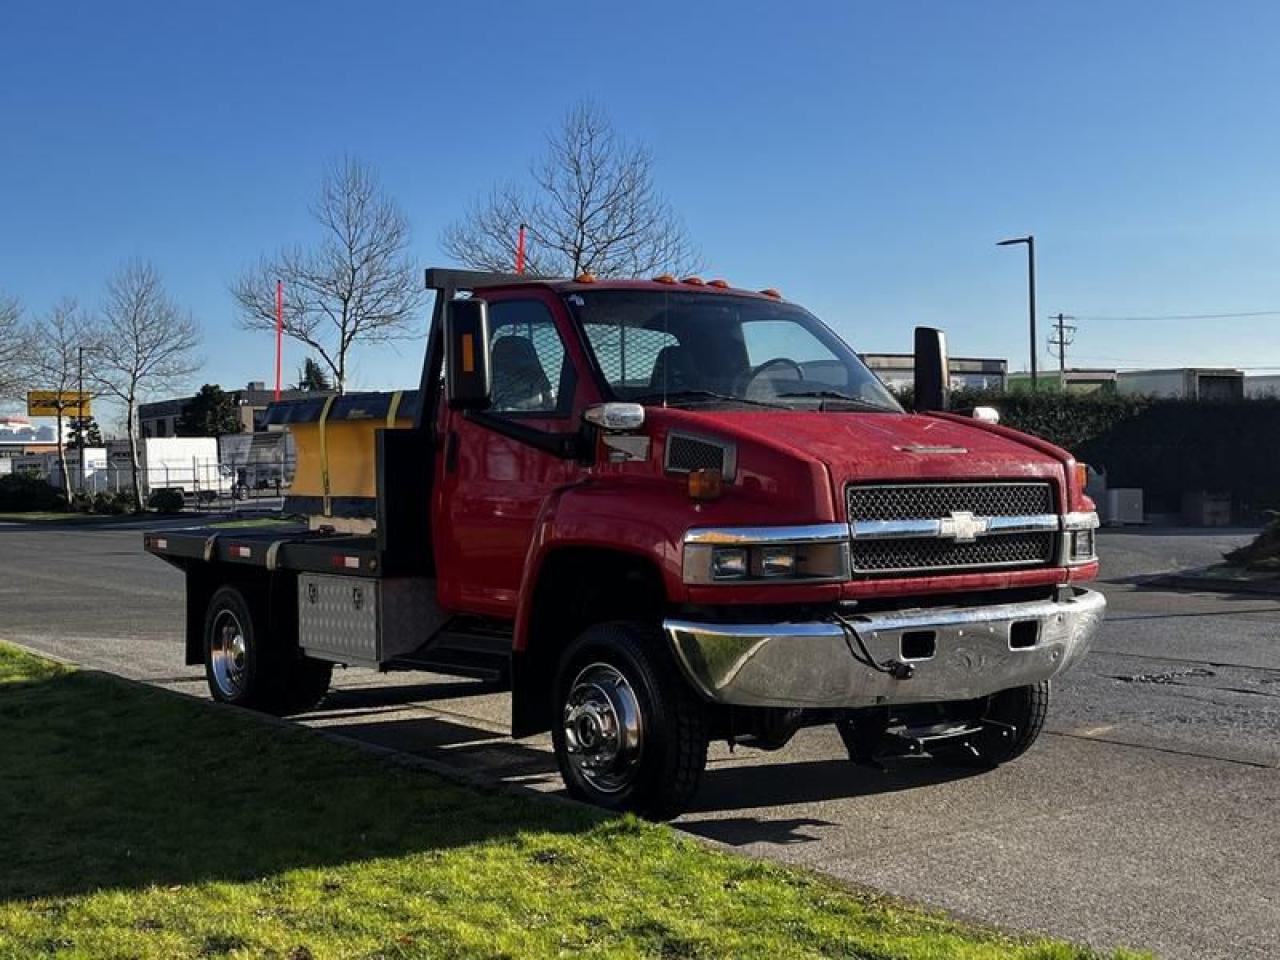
664, 278
585, 277
771, 292
693, 281
718, 284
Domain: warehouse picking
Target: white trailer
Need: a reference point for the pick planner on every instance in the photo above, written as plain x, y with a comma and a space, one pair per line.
189, 465
1185, 383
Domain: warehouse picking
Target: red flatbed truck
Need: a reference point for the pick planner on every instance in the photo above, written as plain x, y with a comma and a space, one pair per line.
664, 512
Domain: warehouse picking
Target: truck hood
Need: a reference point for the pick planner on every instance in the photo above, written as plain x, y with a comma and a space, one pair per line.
879, 446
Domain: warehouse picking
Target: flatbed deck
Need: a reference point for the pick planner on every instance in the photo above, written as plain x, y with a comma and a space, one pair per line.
299, 550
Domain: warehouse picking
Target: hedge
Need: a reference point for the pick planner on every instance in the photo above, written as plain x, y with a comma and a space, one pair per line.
20, 493
1167, 447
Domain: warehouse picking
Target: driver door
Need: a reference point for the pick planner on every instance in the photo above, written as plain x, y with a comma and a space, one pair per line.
493, 482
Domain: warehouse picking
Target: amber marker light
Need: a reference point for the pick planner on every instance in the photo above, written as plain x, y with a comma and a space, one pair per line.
664, 278
585, 278
693, 281
705, 484
718, 284
771, 292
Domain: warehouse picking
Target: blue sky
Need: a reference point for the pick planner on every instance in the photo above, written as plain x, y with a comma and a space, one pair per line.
863, 157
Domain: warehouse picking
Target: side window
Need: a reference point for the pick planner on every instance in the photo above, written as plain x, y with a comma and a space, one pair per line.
531, 373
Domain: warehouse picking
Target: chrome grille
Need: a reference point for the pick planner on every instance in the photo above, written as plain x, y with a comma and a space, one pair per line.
937, 501
930, 501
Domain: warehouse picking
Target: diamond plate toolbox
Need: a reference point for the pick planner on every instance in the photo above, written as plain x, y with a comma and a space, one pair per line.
361, 620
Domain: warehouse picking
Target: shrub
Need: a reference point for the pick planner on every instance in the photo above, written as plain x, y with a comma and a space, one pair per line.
165, 501
112, 503
20, 492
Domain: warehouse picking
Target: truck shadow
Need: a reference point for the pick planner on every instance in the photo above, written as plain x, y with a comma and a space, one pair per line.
107, 784
747, 786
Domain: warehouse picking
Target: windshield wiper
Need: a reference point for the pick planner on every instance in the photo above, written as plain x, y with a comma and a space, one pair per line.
837, 395
678, 395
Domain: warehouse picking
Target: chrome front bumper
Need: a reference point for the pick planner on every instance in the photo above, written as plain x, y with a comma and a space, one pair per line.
812, 664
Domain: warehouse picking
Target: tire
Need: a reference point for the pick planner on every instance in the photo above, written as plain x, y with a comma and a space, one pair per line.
236, 663
249, 672
1017, 717
306, 684
620, 677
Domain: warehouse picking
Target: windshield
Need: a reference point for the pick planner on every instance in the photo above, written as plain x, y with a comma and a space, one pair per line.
682, 348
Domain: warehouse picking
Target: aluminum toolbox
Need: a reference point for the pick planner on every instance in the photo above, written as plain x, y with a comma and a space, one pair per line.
364, 621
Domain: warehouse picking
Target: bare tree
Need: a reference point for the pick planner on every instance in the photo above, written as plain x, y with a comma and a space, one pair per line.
146, 344
591, 207
12, 348
356, 285
53, 363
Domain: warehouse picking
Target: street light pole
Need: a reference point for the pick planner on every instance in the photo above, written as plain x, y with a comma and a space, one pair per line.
1030, 241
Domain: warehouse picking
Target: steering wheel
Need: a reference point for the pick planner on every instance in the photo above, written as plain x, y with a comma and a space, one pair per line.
754, 375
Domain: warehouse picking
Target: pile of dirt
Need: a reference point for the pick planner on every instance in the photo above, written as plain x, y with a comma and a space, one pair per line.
1264, 552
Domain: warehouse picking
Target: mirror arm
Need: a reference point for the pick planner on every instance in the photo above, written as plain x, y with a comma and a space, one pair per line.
565, 446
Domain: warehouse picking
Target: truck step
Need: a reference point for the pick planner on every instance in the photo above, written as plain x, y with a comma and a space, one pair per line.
481, 655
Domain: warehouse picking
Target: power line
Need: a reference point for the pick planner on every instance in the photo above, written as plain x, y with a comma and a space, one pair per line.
1185, 316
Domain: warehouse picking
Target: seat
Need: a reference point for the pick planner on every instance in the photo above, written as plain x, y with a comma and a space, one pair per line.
673, 370
519, 382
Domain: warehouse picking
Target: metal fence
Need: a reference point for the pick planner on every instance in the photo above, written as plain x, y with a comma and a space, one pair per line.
243, 471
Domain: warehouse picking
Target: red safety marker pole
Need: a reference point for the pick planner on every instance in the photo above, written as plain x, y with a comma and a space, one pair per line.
279, 330
520, 250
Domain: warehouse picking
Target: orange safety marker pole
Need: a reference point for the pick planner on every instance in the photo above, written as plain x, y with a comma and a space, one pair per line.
279, 330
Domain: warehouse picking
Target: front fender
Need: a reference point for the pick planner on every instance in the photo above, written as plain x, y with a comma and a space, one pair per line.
587, 515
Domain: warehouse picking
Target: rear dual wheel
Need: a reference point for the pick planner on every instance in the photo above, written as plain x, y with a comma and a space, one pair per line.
243, 668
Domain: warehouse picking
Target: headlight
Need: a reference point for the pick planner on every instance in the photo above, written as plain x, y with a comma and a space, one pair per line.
811, 554
777, 561
729, 563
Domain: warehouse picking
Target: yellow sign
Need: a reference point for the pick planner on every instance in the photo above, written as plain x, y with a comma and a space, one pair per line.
49, 403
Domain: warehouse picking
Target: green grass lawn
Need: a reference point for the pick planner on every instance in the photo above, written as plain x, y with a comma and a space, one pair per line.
252, 522
140, 824
51, 516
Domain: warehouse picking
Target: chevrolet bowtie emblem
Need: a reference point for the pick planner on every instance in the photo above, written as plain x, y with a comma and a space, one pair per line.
962, 526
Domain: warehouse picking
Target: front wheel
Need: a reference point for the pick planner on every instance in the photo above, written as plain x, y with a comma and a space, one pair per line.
1012, 721
629, 734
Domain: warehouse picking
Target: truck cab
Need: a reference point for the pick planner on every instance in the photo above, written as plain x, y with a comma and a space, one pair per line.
664, 512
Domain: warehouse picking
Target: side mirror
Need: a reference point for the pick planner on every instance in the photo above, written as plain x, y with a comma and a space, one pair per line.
615, 417
469, 376
932, 379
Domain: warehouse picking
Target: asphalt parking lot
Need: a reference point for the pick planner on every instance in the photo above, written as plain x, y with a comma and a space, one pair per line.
1147, 816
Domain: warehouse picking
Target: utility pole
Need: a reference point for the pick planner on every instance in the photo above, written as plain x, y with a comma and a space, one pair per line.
1063, 338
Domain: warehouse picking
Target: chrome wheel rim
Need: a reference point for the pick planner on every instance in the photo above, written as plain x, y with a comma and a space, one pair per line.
603, 733
228, 654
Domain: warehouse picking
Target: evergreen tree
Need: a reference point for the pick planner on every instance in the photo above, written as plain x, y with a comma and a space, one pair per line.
312, 378
210, 413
